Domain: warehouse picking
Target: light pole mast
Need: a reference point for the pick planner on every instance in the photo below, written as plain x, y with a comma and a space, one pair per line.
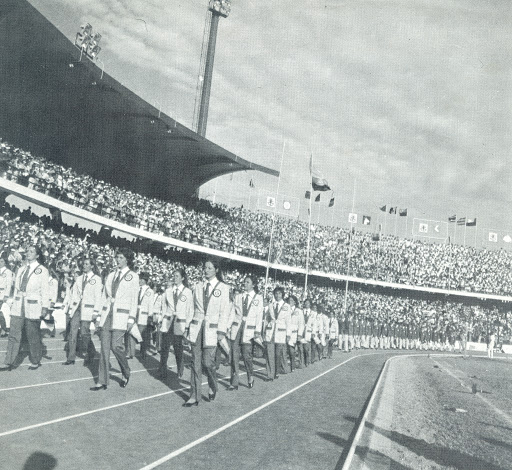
217, 8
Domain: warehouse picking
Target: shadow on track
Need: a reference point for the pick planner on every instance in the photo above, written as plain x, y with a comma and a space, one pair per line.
40, 461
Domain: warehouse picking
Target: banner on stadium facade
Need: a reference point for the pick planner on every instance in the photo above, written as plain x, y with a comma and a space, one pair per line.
430, 228
494, 238
282, 204
352, 218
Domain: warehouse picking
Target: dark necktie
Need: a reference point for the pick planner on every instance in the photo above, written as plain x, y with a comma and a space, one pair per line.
245, 311
276, 310
206, 297
115, 283
24, 280
140, 296
175, 295
84, 283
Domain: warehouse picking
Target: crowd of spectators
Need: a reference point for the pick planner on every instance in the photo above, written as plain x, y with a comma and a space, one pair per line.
64, 245
238, 230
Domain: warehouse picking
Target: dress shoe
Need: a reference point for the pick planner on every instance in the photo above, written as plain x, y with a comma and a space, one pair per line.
276, 377
189, 404
7, 368
48, 358
34, 366
98, 388
69, 363
231, 388
268, 379
251, 384
125, 382
211, 396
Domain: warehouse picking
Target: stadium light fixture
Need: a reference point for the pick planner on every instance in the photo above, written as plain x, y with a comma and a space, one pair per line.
221, 7
87, 42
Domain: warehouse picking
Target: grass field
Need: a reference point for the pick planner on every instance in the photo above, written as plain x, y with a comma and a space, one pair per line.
427, 416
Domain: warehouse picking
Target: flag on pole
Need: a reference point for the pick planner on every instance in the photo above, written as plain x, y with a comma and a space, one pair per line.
317, 199
251, 183
402, 212
461, 221
331, 202
318, 182
452, 218
271, 201
308, 195
493, 237
352, 218
392, 210
471, 223
384, 208
366, 219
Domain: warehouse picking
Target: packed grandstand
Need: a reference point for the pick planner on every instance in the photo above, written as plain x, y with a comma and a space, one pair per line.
392, 259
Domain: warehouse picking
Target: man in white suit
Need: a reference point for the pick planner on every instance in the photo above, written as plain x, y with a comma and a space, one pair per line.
6, 280
86, 303
207, 328
179, 311
245, 327
31, 302
118, 316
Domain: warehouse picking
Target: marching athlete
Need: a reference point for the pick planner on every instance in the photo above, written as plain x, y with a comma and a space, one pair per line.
118, 316
6, 280
245, 327
31, 302
86, 302
207, 328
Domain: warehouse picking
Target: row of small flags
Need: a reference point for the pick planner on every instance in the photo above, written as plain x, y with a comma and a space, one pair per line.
462, 221
394, 210
317, 198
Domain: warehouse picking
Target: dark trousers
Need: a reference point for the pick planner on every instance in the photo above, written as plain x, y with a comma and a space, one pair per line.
313, 352
112, 340
177, 344
246, 348
307, 353
33, 332
129, 344
329, 347
74, 326
165, 345
291, 354
300, 351
320, 351
281, 366
270, 349
202, 357
3, 324
145, 332
87, 348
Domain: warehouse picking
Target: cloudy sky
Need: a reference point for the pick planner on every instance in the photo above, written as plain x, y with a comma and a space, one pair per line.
411, 99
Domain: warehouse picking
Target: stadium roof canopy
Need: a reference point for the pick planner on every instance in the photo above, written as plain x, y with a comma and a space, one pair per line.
65, 110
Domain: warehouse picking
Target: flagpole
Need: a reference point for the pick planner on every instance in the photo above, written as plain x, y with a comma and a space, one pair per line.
455, 230
215, 190
465, 228
476, 230
396, 219
349, 250
274, 220
406, 224
309, 225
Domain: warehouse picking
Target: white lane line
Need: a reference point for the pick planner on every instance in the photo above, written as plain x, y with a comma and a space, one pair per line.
62, 360
105, 408
497, 410
179, 451
71, 380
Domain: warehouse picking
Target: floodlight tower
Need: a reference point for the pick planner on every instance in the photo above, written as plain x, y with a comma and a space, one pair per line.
217, 9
